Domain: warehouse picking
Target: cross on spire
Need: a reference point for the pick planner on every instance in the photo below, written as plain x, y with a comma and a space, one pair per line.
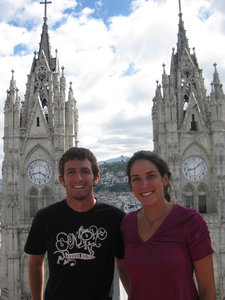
45, 3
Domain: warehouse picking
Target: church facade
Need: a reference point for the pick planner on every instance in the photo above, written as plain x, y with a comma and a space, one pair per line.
189, 133
37, 131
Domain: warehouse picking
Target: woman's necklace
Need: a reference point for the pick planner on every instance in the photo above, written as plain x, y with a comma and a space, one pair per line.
152, 222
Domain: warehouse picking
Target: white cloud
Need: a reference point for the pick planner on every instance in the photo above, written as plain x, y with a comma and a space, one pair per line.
114, 109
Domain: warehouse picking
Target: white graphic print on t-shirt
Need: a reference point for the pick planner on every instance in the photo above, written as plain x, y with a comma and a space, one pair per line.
85, 239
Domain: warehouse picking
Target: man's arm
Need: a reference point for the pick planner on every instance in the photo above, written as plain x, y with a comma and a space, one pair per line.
36, 276
123, 274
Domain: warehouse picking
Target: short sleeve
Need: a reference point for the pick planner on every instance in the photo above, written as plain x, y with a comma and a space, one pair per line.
119, 253
197, 235
119, 250
35, 241
128, 228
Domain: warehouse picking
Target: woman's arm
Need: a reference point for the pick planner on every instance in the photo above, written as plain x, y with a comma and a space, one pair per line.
205, 278
123, 274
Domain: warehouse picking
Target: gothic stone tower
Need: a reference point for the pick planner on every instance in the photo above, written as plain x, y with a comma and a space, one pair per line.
36, 133
189, 133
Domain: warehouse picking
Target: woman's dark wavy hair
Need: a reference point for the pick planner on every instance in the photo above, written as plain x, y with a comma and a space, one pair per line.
160, 164
79, 154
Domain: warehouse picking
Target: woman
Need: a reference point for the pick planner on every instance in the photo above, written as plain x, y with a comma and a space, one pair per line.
164, 242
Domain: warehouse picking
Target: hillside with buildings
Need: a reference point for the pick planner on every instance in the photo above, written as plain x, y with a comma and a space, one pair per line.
113, 177
113, 186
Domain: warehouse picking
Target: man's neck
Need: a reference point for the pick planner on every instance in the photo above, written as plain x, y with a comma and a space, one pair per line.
81, 205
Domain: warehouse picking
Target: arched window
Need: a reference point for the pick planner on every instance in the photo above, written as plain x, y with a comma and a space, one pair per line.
185, 106
202, 207
188, 196
47, 196
33, 201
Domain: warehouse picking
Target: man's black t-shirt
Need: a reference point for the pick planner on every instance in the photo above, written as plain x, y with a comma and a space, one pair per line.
81, 248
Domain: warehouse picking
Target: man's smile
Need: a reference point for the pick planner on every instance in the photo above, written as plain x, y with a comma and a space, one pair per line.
78, 186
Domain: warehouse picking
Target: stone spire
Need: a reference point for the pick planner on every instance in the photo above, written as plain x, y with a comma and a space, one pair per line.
217, 97
44, 44
182, 39
189, 129
38, 129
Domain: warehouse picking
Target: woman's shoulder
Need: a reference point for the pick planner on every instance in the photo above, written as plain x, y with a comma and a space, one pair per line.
195, 231
186, 212
190, 219
129, 225
130, 217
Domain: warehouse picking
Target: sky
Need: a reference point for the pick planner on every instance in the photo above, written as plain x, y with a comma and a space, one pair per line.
112, 52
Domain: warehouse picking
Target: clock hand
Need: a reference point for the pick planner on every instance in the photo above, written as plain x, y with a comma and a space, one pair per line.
190, 169
43, 174
35, 173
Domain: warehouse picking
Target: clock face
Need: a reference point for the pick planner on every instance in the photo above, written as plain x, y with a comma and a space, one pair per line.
194, 168
39, 172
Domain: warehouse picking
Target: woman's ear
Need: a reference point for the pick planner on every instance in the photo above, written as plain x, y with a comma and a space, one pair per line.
165, 179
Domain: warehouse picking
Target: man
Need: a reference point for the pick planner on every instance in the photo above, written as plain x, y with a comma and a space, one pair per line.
80, 235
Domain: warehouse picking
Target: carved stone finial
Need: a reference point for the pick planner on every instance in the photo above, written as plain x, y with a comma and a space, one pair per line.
62, 68
12, 73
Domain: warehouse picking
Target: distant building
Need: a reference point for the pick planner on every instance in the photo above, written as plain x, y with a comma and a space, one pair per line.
189, 133
34, 140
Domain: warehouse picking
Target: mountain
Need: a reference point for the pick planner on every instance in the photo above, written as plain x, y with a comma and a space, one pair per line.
113, 160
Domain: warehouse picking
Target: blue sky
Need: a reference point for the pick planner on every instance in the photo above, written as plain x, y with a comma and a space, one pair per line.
107, 8
112, 51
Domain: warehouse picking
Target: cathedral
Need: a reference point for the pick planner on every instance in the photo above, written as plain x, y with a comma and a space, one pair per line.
189, 133
37, 131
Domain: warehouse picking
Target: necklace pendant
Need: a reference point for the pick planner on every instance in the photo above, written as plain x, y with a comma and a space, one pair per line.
151, 224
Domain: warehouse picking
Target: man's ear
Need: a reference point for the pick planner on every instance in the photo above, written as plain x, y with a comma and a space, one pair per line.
96, 179
61, 180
